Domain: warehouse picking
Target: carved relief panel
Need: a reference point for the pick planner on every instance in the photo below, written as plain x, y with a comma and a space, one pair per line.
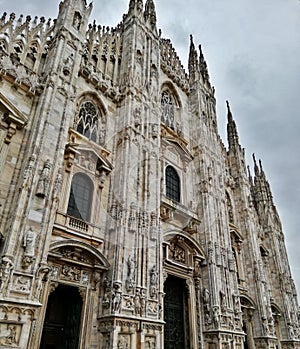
10, 335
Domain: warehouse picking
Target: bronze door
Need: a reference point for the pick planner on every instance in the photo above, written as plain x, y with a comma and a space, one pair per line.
62, 321
175, 314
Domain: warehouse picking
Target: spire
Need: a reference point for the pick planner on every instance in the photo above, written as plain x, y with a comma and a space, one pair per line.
135, 4
203, 66
232, 134
256, 170
250, 176
193, 60
131, 5
150, 13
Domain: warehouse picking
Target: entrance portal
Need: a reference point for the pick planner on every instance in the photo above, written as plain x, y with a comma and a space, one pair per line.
176, 314
62, 321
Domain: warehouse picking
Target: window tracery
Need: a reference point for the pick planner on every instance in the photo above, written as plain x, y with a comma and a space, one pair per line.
89, 122
167, 106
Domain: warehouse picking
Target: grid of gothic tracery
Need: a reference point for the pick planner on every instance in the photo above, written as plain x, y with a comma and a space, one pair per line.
167, 106
87, 122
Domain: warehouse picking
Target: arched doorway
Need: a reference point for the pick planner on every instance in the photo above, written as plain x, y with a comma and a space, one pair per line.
176, 314
62, 321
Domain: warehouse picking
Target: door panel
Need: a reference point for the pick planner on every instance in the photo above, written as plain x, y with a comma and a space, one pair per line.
175, 314
62, 321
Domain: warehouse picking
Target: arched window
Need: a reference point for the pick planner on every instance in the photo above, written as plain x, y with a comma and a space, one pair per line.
87, 121
167, 106
172, 184
81, 195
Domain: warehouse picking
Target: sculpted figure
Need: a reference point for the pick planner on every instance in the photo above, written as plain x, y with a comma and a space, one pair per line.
5, 273
29, 242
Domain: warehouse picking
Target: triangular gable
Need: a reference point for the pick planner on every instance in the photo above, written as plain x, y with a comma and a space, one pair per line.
181, 146
106, 164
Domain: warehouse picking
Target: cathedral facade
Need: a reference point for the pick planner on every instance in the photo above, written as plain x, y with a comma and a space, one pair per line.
125, 221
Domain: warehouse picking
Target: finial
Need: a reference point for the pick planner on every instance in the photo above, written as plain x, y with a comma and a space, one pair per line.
249, 172
256, 170
150, 12
229, 114
262, 172
193, 60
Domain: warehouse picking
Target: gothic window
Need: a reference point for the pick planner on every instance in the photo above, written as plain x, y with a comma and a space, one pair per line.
81, 195
167, 106
88, 121
172, 184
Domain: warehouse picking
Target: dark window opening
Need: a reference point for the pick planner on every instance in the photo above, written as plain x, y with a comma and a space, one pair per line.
172, 184
80, 199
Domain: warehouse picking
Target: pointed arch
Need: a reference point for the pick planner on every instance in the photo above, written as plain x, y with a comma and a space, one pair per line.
170, 88
170, 107
247, 302
91, 118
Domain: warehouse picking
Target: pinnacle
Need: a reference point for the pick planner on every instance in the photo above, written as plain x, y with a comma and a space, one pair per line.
229, 114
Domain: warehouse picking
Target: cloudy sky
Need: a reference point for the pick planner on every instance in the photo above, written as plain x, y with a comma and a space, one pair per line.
252, 48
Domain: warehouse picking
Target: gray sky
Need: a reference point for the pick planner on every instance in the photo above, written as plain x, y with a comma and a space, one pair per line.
252, 48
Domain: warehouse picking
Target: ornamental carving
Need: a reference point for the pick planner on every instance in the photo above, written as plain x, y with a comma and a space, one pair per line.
29, 242
106, 293
150, 342
176, 252
21, 283
152, 327
9, 335
29, 169
43, 183
153, 307
116, 297
167, 107
124, 341
206, 300
130, 282
6, 270
71, 273
139, 302
128, 324
153, 282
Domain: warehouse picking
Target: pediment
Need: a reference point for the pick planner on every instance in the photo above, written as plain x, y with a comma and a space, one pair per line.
97, 156
11, 114
181, 147
87, 153
76, 252
170, 137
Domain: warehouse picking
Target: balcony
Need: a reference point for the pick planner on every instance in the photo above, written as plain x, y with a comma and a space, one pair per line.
74, 227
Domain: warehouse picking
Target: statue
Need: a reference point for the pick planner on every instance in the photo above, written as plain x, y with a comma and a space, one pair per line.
130, 274
5, 273
29, 243
153, 282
